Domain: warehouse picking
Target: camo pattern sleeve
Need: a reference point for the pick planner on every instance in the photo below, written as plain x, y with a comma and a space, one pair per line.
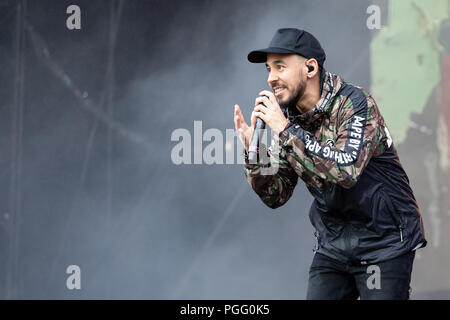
274, 180
337, 153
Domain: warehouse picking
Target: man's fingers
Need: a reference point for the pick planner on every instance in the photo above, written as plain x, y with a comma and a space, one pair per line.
261, 108
260, 115
253, 120
269, 95
239, 118
264, 100
237, 110
236, 118
236, 123
240, 126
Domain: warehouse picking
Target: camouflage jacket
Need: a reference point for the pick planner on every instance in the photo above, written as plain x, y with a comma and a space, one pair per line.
364, 209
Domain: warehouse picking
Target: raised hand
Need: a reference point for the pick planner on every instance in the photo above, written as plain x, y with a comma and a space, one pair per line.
244, 131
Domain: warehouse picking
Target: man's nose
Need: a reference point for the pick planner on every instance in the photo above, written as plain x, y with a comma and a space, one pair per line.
272, 78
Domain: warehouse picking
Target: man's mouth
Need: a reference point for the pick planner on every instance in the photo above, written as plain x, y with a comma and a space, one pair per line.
278, 90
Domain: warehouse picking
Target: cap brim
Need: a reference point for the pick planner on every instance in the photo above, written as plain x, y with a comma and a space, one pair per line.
259, 56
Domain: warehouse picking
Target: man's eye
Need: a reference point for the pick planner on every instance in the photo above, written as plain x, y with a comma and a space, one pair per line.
280, 67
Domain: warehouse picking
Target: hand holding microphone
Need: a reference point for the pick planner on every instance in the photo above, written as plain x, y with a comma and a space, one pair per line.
266, 111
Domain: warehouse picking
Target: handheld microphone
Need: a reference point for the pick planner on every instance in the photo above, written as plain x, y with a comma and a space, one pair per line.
253, 147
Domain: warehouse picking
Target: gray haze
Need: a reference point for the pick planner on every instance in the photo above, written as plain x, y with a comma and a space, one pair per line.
172, 231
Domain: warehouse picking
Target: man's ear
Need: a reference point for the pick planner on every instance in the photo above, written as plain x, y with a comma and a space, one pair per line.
313, 67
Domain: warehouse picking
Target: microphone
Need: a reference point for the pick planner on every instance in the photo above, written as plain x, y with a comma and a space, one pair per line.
253, 147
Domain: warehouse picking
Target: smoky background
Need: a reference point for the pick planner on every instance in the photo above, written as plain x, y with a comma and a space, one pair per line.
85, 168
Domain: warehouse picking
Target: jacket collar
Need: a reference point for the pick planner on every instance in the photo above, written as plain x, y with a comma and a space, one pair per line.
331, 84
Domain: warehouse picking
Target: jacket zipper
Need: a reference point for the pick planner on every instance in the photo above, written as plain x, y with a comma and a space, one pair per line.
396, 218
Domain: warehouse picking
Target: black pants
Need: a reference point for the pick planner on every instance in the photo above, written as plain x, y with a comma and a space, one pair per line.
330, 279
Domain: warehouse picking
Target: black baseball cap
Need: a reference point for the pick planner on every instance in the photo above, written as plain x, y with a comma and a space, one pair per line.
291, 40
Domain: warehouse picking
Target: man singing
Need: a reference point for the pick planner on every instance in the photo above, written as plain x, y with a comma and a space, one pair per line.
331, 134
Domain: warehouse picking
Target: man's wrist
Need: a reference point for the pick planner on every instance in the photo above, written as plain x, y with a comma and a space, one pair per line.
288, 124
283, 133
281, 127
285, 136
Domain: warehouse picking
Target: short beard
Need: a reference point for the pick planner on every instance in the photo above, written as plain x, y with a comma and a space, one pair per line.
291, 104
